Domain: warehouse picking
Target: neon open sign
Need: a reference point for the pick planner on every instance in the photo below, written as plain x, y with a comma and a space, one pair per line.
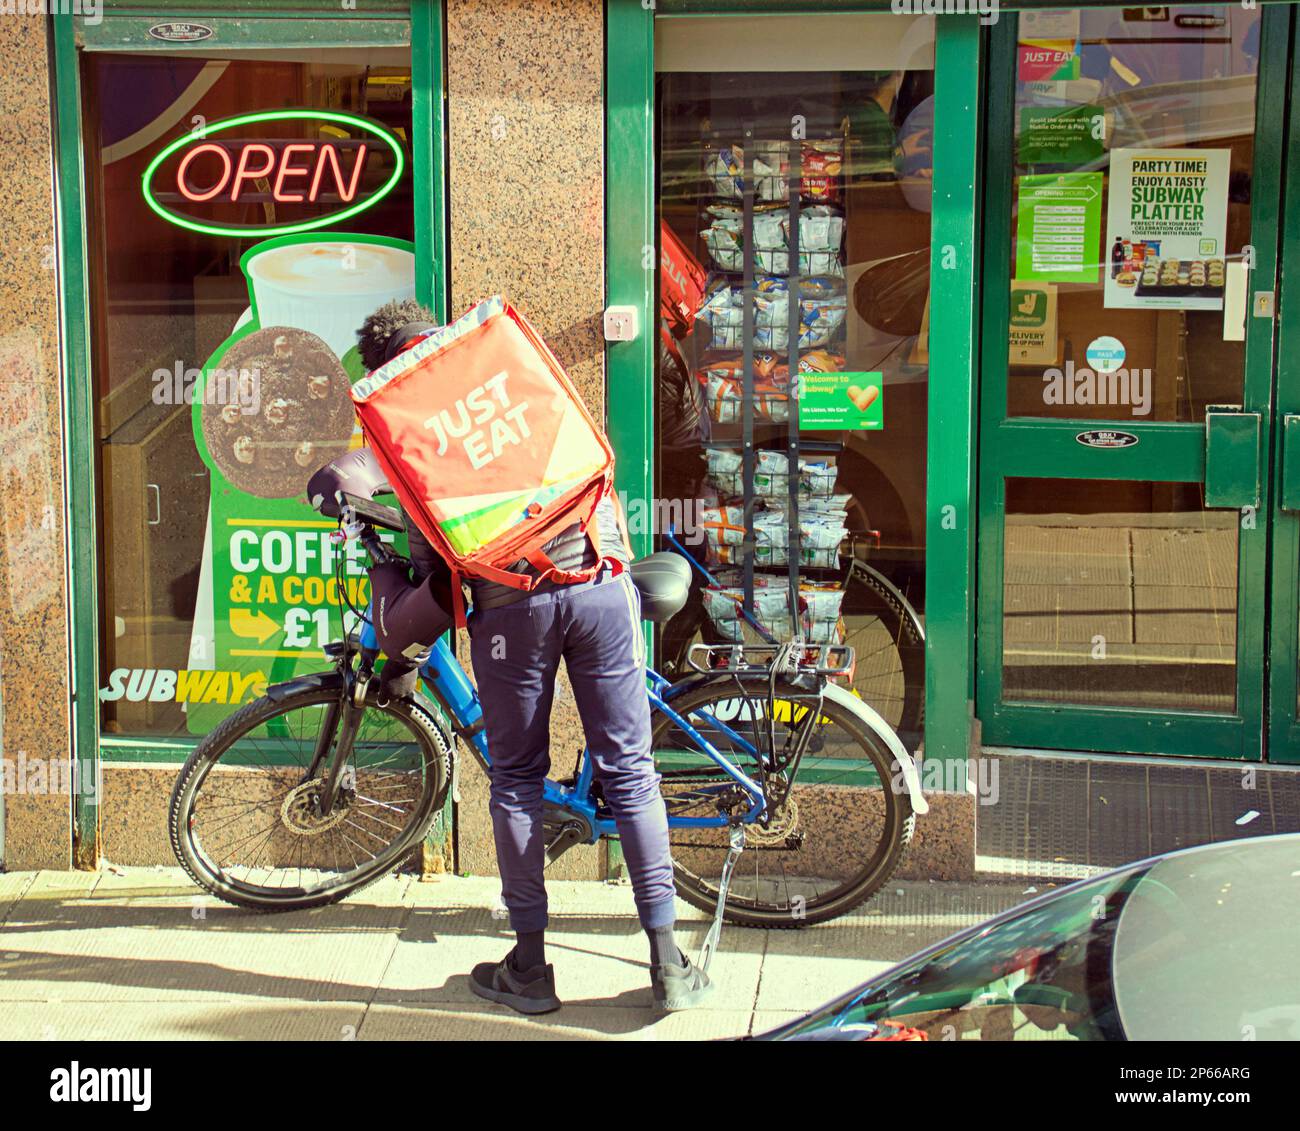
287, 171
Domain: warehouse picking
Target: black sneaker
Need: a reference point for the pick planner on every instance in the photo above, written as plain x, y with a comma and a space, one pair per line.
524, 991
679, 987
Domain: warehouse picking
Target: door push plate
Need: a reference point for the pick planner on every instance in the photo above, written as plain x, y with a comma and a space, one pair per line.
1231, 458
1291, 462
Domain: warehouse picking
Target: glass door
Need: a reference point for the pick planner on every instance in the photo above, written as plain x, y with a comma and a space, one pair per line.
1131, 241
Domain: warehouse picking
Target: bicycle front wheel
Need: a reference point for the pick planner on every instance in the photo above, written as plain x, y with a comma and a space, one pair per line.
838, 820
243, 816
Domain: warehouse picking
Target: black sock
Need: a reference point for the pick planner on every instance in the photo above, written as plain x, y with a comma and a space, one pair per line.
530, 949
663, 946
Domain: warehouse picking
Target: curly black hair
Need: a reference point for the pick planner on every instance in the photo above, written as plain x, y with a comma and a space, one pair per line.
375, 338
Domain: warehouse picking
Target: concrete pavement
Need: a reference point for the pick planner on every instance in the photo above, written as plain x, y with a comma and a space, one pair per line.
141, 953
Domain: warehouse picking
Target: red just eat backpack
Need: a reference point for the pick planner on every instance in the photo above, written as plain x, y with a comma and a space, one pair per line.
488, 446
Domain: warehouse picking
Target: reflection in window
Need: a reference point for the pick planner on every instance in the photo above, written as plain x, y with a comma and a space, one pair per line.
1119, 593
1117, 313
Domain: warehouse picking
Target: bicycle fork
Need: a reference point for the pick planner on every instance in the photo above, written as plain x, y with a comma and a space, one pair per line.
715, 930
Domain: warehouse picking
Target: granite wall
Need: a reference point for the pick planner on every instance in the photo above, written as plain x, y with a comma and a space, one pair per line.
526, 144
34, 681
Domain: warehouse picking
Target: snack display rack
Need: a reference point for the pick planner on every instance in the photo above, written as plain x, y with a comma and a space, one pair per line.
771, 221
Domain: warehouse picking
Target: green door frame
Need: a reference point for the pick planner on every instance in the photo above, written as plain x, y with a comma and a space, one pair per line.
249, 24
1030, 447
1284, 586
630, 265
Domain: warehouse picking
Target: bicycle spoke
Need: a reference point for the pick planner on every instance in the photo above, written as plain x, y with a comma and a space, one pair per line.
256, 817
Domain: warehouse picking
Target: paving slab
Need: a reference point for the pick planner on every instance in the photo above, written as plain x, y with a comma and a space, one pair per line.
13, 885
486, 1022
180, 1021
140, 953
137, 941
599, 952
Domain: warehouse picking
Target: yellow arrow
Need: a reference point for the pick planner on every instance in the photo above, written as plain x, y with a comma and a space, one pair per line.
258, 625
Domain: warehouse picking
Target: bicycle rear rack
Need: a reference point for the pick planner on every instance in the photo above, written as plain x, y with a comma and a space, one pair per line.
757, 659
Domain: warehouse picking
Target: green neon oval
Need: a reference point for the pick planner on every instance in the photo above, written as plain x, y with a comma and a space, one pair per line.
354, 120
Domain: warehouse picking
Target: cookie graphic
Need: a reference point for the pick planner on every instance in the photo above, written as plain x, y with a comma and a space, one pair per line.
281, 409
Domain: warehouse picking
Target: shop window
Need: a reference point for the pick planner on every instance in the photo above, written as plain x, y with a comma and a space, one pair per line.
245, 212
795, 159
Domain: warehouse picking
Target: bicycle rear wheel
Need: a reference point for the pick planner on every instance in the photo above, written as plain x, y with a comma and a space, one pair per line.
834, 838
889, 651
242, 817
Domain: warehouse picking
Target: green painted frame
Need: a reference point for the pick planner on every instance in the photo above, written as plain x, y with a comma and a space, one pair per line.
1284, 641
630, 246
950, 495
1015, 447
78, 438
630, 265
267, 24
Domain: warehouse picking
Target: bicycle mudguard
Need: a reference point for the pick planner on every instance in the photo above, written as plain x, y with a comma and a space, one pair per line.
333, 681
910, 777
312, 681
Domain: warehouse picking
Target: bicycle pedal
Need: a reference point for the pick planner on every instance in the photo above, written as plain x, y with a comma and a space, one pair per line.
570, 834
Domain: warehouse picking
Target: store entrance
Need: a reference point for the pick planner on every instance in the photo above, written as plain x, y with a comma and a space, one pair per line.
1130, 394
794, 200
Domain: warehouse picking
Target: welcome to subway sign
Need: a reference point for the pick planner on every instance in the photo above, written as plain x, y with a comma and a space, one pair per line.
274, 172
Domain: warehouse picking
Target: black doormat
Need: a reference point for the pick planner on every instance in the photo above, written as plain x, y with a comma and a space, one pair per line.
1055, 817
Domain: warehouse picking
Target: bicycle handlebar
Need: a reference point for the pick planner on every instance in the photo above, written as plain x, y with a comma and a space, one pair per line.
355, 523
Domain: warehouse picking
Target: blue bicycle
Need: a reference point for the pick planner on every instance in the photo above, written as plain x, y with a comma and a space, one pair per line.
322, 785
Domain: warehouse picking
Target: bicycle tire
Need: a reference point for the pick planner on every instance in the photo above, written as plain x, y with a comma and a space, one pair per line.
900, 620
436, 750
899, 820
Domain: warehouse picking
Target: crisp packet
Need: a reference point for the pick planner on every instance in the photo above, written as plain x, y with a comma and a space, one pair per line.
725, 399
722, 525
816, 478
771, 472
820, 613
771, 610
722, 606
725, 470
821, 233
821, 164
819, 318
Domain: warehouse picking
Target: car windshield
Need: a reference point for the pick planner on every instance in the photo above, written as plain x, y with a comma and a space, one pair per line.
1157, 951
